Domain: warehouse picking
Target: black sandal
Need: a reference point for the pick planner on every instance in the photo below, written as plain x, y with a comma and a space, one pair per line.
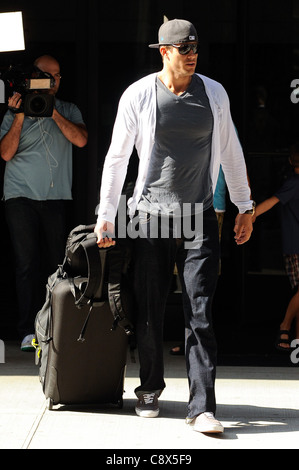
280, 341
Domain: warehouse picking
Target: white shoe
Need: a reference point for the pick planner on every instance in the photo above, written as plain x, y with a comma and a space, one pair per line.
26, 344
206, 422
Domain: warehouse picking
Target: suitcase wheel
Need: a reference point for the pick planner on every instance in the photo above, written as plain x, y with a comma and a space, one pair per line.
120, 403
50, 404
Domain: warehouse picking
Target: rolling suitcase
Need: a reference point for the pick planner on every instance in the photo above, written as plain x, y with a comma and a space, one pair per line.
82, 331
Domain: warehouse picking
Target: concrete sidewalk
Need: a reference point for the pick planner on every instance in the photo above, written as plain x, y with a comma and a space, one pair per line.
259, 407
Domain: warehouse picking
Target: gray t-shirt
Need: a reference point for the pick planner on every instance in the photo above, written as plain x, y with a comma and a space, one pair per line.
179, 170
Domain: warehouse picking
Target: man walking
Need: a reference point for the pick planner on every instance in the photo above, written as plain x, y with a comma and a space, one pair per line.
181, 126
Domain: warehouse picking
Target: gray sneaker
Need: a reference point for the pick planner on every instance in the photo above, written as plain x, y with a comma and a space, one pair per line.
26, 344
147, 405
206, 422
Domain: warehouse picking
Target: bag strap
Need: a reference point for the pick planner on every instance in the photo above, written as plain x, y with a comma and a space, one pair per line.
92, 288
90, 291
114, 293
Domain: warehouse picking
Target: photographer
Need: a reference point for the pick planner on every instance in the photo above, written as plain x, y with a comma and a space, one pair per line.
37, 182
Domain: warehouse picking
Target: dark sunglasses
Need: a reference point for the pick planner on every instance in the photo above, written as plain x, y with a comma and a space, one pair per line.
186, 48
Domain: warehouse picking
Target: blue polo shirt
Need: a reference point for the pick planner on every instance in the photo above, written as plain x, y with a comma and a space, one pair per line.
42, 166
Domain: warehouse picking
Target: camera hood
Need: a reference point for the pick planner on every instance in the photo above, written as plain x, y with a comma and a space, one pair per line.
39, 105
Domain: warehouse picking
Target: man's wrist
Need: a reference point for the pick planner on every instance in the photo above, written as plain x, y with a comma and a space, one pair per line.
252, 210
19, 119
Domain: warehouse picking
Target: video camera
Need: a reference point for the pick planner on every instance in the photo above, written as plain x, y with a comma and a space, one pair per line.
28, 81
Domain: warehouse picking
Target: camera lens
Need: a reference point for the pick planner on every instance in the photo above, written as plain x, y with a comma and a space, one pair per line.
38, 104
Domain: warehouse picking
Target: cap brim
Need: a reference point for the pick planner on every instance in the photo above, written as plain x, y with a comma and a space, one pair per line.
155, 46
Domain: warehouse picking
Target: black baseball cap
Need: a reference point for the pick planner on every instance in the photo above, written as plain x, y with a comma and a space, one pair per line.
175, 32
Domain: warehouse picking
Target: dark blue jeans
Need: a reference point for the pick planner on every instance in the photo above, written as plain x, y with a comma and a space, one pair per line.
198, 270
38, 234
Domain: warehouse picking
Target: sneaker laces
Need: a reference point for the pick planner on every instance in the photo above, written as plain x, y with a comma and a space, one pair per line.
148, 398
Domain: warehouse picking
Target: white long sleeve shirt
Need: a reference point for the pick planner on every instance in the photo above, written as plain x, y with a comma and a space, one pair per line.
135, 124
